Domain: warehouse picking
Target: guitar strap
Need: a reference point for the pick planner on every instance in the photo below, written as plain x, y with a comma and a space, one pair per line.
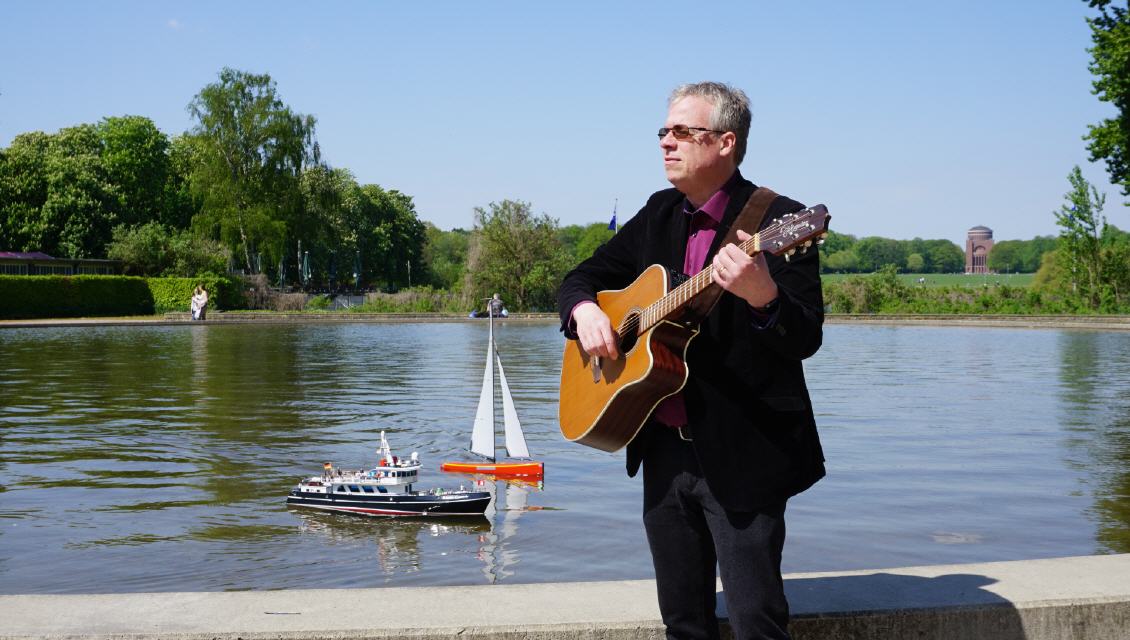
748, 220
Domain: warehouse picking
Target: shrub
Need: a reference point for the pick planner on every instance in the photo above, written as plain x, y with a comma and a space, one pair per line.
290, 302
73, 296
415, 300
319, 302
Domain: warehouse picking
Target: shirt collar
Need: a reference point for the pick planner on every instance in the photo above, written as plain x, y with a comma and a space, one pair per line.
715, 206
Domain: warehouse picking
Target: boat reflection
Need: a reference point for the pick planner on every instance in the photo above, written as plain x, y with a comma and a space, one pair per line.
397, 540
498, 549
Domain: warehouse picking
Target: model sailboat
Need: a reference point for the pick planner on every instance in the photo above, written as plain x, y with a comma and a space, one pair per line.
483, 432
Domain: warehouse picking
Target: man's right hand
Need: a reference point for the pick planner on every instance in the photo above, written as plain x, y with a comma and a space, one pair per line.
594, 331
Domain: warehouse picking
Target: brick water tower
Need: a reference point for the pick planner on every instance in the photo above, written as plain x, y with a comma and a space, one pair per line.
978, 244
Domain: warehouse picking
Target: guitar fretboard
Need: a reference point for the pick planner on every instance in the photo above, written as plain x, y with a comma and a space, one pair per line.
677, 298
781, 237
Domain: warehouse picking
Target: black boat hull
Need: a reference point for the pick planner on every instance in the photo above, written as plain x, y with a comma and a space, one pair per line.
469, 504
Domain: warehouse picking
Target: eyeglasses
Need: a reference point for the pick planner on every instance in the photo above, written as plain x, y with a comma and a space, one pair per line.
682, 132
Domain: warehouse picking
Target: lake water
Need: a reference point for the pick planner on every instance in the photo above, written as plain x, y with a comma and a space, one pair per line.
158, 458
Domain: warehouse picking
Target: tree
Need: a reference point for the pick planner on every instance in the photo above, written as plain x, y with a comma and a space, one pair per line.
843, 261
874, 253
591, 237
251, 150
82, 205
915, 263
516, 254
392, 237
1116, 269
1082, 227
23, 190
445, 254
1006, 256
152, 249
135, 158
944, 256
329, 225
179, 204
837, 242
1110, 64
143, 249
1020, 256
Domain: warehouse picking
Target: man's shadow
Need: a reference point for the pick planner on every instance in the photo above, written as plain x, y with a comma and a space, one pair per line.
887, 605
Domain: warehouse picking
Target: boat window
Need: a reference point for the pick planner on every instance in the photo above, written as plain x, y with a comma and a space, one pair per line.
366, 488
382, 489
340, 488
354, 488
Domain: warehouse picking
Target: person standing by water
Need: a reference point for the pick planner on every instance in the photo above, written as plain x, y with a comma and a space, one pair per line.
199, 304
496, 308
721, 457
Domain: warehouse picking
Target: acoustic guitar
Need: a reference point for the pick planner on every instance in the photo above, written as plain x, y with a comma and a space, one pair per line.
604, 403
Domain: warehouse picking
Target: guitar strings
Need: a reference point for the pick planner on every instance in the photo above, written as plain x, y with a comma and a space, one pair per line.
665, 306
683, 293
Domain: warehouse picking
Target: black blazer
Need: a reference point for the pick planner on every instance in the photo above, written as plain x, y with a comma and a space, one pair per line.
747, 403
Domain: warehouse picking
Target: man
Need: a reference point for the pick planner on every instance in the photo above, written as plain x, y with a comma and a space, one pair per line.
720, 458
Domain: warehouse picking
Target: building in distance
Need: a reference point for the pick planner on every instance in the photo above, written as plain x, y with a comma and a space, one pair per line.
978, 244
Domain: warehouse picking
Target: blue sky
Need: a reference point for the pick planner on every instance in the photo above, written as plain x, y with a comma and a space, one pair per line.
906, 118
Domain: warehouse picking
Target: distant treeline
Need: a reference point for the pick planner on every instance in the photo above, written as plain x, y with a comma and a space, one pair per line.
842, 253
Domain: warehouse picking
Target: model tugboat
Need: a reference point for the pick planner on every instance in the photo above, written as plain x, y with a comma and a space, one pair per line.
384, 490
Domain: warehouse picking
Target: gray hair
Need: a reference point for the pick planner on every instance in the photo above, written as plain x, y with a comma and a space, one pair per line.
731, 110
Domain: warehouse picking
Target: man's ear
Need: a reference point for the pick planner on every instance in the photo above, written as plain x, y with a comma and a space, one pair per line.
729, 143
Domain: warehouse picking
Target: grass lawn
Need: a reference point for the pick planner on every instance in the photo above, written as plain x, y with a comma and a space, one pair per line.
948, 279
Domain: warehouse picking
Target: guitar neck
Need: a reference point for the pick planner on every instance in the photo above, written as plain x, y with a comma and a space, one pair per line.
677, 299
781, 238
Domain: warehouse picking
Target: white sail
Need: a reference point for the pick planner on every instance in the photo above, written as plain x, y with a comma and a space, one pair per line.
482, 436
515, 441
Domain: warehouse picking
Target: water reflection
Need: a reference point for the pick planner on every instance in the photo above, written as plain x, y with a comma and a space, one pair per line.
1094, 369
497, 551
396, 540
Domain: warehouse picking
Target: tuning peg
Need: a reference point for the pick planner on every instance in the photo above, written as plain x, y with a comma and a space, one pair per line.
804, 249
788, 257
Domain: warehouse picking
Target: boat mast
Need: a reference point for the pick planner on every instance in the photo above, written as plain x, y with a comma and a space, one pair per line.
482, 435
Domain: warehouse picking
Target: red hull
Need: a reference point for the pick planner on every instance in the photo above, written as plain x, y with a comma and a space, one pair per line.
499, 469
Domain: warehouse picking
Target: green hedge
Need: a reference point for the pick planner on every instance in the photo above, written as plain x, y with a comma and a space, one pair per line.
174, 294
81, 296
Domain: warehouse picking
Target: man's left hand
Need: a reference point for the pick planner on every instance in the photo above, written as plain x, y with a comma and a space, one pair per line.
744, 276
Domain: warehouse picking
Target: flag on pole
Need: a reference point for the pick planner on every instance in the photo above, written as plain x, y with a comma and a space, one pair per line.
612, 223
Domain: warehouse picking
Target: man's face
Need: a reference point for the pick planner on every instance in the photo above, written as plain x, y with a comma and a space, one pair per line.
701, 160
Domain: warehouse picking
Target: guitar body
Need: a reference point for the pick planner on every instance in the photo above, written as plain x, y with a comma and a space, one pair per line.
605, 405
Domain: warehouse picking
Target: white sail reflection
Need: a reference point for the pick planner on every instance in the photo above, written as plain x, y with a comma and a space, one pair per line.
497, 549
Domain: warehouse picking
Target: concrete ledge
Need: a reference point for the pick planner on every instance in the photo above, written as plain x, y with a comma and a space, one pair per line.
1085, 598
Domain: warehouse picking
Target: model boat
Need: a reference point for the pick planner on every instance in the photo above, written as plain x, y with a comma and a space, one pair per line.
384, 490
483, 433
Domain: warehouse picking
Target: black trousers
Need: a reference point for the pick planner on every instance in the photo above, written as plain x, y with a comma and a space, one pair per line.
690, 534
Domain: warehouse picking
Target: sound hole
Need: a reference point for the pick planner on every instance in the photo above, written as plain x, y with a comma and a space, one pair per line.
629, 332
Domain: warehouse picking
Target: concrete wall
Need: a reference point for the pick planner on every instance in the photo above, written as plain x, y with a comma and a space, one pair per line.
1086, 598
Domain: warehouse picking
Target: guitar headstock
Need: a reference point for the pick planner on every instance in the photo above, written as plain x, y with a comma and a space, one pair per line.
794, 232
